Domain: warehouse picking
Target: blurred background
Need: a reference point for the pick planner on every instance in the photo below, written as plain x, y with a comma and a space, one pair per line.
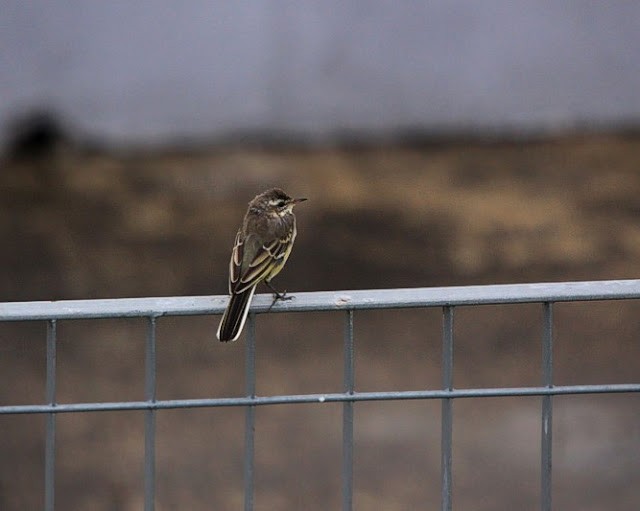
439, 143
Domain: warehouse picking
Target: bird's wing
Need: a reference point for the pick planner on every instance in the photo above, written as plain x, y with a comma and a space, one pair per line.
235, 263
268, 255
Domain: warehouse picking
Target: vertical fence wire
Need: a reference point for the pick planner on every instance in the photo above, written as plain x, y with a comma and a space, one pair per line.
447, 408
347, 416
547, 408
250, 412
50, 421
150, 417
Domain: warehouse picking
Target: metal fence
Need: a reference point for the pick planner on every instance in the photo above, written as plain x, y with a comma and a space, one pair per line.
347, 302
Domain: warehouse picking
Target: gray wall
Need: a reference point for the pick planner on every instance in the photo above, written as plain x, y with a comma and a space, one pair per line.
152, 72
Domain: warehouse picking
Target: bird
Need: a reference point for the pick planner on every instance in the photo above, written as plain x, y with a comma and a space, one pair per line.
261, 249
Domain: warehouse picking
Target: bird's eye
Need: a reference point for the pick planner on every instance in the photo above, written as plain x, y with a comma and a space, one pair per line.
281, 203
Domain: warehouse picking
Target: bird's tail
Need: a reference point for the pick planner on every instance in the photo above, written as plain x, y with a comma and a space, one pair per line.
235, 315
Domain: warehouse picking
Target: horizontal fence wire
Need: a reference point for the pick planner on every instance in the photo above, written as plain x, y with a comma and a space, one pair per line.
322, 398
349, 301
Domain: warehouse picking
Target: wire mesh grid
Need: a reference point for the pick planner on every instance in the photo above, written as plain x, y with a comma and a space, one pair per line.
344, 302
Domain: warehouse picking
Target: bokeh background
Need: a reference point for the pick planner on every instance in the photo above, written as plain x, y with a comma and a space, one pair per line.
439, 143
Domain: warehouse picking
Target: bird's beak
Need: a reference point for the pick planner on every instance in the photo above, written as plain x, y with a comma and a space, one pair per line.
301, 199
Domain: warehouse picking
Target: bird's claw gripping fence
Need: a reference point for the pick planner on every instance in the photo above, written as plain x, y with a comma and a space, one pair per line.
345, 303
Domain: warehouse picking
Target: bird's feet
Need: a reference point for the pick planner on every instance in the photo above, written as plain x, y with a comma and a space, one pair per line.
277, 295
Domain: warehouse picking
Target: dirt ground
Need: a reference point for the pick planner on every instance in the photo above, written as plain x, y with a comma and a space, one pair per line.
77, 223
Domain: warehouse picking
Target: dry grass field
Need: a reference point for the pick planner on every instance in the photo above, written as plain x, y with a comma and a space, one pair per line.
89, 224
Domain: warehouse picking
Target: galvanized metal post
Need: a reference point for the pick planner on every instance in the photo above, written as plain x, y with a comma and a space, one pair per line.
546, 441
347, 416
50, 421
150, 417
250, 412
447, 408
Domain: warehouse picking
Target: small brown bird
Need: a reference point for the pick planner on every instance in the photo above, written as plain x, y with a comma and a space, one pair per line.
263, 245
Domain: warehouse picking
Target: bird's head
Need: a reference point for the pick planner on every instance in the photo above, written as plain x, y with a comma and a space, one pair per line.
276, 201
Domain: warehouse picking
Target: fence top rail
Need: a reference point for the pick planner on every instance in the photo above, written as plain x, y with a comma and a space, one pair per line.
326, 300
